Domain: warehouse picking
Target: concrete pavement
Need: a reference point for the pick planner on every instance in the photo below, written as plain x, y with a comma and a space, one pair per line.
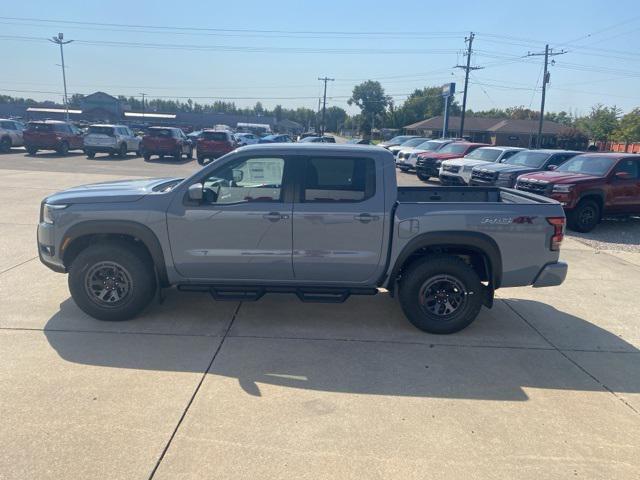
544, 385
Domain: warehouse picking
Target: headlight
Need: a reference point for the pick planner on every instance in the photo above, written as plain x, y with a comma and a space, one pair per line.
51, 212
506, 176
467, 168
562, 188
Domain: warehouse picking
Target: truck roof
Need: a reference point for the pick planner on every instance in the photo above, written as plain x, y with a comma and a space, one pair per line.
611, 154
314, 148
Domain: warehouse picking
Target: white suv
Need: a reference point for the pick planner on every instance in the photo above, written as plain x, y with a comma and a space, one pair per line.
10, 134
112, 139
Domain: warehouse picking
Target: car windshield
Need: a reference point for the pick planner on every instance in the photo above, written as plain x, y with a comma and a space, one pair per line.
587, 165
214, 136
101, 130
40, 127
159, 132
454, 148
399, 139
528, 159
414, 142
486, 154
430, 145
310, 140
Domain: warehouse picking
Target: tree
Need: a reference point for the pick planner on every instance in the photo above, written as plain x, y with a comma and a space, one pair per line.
628, 130
600, 123
335, 117
563, 118
423, 103
369, 96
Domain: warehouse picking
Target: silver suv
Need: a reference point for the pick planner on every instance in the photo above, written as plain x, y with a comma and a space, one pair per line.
112, 139
10, 134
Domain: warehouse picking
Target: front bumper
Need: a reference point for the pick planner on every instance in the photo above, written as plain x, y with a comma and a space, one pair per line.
452, 178
100, 148
551, 275
47, 248
428, 170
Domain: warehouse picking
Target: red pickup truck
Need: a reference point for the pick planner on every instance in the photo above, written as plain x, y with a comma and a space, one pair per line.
590, 186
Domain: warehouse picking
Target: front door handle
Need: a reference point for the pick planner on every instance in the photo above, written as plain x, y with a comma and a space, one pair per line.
366, 217
274, 216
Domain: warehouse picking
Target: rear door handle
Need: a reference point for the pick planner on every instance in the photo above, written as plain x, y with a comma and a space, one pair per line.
366, 218
274, 216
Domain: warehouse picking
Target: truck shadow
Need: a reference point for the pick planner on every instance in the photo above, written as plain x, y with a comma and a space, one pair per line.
474, 364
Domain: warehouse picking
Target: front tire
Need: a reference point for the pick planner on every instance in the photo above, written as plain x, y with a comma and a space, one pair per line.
584, 217
91, 154
32, 150
440, 294
423, 177
112, 281
147, 157
190, 153
202, 160
178, 155
122, 152
63, 149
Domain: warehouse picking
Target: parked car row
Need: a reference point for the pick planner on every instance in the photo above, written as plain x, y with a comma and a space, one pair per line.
589, 186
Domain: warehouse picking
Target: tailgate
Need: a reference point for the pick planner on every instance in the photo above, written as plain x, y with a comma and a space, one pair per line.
40, 139
159, 144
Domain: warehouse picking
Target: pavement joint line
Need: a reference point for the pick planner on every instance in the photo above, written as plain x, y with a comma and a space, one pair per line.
576, 364
18, 265
316, 339
195, 392
65, 330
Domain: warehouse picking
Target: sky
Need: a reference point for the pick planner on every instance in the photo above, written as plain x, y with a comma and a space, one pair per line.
275, 51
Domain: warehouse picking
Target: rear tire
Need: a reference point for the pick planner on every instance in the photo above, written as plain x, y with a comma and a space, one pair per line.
91, 154
190, 154
122, 152
5, 144
584, 217
147, 157
178, 154
440, 294
32, 150
112, 281
202, 160
423, 177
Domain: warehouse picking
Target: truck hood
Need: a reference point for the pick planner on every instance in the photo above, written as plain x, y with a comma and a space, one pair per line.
440, 156
562, 177
107, 192
506, 168
465, 162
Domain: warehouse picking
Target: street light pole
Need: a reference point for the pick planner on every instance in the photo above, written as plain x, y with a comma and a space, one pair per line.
60, 41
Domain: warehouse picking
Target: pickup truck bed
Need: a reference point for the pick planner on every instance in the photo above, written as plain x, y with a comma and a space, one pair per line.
323, 221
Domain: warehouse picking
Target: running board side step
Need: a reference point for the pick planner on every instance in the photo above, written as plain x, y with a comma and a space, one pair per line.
253, 293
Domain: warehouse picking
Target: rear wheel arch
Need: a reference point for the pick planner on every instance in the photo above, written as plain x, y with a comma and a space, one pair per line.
477, 249
134, 234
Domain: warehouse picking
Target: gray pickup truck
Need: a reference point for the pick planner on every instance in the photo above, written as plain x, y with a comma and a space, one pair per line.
321, 221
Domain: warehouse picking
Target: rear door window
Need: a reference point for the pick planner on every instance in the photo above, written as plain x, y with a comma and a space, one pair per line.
629, 166
40, 127
101, 130
338, 180
160, 132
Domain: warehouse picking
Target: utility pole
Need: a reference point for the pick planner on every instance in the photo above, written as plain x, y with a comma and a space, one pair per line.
60, 41
143, 107
324, 102
548, 52
468, 68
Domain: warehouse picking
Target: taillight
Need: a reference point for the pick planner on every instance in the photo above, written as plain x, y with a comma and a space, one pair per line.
558, 224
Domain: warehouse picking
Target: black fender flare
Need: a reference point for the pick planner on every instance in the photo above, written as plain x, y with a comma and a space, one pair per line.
475, 241
121, 227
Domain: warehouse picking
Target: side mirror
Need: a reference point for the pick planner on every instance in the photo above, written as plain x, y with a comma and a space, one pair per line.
195, 192
622, 175
552, 167
238, 175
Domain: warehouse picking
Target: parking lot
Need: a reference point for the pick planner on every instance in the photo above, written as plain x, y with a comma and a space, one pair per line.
544, 385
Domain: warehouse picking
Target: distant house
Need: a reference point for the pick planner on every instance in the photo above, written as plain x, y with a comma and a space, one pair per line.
496, 131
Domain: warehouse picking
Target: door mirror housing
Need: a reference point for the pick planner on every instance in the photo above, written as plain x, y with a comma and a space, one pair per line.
552, 167
238, 175
195, 192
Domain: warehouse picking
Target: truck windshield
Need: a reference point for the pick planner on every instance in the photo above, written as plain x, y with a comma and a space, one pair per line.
587, 165
430, 146
486, 154
528, 159
414, 142
160, 132
400, 139
453, 148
